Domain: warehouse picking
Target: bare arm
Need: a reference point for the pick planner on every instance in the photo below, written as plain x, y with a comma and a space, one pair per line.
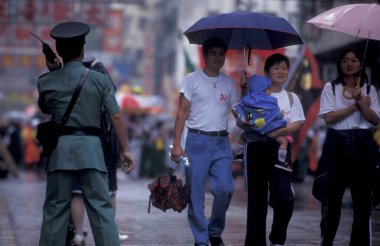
243, 84
121, 134
182, 115
364, 104
338, 115
287, 130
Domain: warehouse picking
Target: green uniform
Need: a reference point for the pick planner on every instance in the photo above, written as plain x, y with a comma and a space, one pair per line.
77, 156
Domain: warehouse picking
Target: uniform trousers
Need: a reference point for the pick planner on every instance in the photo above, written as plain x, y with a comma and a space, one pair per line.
56, 210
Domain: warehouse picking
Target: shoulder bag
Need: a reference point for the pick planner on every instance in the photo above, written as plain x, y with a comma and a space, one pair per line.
48, 132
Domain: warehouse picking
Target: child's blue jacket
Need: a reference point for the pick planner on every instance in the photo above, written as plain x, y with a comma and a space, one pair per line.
258, 109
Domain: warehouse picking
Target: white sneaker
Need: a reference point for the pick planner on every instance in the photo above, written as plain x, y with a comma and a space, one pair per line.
283, 166
123, 237
78, 240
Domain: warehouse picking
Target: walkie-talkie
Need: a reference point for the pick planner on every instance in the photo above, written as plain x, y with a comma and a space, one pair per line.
50, 56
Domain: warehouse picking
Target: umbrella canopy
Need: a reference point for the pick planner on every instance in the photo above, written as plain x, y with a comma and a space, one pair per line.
245, 29
358, 20
130, 104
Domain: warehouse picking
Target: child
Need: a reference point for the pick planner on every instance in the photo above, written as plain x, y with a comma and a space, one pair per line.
260, 111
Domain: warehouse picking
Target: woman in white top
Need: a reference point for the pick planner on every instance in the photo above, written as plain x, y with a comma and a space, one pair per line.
261, 155
350, 108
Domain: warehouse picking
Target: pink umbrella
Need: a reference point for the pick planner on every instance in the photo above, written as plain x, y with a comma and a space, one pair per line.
358, 20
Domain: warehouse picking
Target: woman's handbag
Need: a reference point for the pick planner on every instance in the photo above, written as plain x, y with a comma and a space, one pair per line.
48, 132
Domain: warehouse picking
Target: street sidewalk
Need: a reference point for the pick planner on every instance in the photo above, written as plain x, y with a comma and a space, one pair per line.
21, 203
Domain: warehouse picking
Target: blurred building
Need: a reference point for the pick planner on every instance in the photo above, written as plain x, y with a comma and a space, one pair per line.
135, 39
141, 42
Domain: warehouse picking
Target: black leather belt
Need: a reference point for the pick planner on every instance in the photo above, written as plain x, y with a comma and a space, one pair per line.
80, 131
223, 133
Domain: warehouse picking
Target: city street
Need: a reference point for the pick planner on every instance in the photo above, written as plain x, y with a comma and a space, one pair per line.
161, 68
21, 201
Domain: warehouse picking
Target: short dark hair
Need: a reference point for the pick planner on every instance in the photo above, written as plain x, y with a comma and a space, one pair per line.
69, 49
275, 59
211, 43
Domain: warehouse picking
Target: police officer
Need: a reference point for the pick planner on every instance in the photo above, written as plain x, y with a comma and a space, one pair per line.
79, 155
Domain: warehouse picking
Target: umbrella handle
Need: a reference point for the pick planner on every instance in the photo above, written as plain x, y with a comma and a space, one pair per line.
345, 95
357, 85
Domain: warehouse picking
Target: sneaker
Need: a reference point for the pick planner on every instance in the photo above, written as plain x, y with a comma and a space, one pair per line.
123, 237
216, 241
78, 240
239, 158
283, 166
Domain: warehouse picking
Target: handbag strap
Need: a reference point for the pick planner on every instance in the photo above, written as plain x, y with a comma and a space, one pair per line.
75, 96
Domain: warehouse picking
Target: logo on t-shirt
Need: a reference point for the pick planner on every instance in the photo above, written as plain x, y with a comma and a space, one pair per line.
223, 98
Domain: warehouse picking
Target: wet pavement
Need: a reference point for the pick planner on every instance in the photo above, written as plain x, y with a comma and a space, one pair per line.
21, 201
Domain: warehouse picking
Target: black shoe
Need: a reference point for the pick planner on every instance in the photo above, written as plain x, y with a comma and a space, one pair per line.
216, 241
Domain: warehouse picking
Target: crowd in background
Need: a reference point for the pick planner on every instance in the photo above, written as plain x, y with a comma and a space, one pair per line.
149, 139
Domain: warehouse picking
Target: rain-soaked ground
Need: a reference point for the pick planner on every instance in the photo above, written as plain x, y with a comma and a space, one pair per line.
21, 201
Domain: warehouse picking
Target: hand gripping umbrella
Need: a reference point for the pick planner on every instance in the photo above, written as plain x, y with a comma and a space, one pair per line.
358, 20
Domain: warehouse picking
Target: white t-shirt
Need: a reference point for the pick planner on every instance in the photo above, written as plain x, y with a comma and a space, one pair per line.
330, 103
291, 113
210, 100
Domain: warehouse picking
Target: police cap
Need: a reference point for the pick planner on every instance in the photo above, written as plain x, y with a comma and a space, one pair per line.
70, 30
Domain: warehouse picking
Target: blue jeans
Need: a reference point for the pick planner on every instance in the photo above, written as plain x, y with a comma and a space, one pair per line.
209, 156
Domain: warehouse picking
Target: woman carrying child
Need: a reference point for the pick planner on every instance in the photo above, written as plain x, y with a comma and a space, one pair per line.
262, 155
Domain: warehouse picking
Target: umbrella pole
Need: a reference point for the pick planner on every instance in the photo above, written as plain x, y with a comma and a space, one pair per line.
243, 58
361, 70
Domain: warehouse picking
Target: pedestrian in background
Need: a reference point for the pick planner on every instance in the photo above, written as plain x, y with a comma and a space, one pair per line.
261, 157
111, 157
206, 96
78, 154
350, 108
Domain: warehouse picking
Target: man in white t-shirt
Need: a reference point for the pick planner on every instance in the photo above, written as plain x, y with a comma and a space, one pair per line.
206, 97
